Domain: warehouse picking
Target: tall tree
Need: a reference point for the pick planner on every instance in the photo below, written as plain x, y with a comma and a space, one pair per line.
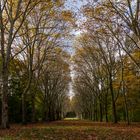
12, 18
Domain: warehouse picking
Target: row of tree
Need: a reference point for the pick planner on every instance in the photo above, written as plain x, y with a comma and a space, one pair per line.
107, 62
34, 69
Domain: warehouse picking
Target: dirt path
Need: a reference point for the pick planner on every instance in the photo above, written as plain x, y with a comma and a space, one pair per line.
72, 130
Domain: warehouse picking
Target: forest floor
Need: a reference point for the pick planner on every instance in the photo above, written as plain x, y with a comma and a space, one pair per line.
72, 130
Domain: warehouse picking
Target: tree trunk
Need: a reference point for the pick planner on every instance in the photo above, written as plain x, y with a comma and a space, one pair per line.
95, 110
124, 89
23, 109
106, 110
126, 110
24, 99
33, 108
113, 101
4, 75
5, 121
101, 112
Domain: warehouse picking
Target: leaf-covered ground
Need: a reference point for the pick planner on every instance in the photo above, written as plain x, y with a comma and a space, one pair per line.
72, 130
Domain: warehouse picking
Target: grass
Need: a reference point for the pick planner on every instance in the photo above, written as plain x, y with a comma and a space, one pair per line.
70, 119
72, 130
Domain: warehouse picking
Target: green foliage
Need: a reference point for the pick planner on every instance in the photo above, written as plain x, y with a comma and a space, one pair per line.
70, 115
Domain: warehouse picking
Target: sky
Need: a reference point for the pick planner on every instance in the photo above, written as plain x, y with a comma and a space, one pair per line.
75, 6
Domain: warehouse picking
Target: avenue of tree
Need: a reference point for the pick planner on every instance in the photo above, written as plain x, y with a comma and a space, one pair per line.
35, 66
107, 62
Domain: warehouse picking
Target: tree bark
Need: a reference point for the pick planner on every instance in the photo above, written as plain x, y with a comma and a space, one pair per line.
5, 121
113, 101
106, 110
23, 109
101, 112
33, 108
124, 93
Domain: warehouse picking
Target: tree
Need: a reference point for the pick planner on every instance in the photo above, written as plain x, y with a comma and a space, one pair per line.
25, 26
11, 20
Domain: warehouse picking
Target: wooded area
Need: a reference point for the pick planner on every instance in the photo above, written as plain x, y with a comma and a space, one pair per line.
37, 68
34, 67
107, 62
